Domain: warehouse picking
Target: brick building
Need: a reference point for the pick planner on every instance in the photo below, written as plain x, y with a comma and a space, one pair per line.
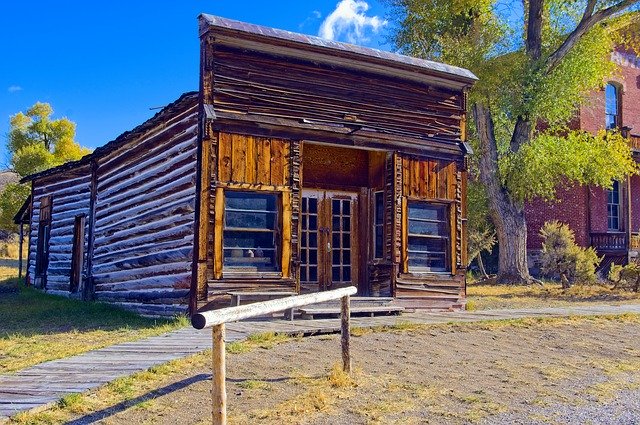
608, 220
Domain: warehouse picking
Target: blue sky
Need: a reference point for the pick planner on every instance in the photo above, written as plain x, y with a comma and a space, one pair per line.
104, 64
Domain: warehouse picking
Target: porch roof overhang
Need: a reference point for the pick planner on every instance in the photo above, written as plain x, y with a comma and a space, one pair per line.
22, 216
363, 138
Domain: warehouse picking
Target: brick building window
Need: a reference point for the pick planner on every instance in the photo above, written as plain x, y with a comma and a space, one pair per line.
612, 106
613, 207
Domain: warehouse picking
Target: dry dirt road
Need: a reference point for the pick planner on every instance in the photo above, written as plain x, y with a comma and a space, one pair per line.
563, 371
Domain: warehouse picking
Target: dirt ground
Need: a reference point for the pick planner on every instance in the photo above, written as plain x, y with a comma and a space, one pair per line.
521, 372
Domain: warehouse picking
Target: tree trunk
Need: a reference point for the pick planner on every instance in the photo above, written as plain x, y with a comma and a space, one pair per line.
483, 271
508, 218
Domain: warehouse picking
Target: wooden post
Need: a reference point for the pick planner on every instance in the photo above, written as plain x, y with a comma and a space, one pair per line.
20, 251
219, 392
345, 333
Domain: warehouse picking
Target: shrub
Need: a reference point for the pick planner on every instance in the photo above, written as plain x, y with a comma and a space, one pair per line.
626, 277
563, 259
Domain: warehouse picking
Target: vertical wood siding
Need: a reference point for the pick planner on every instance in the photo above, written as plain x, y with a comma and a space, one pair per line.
144, 219
257, 164
70, 193
439, 181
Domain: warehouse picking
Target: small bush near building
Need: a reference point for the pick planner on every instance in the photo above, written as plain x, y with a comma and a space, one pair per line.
626, 277
562, 259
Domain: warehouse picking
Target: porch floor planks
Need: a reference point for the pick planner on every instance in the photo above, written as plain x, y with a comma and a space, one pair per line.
46, 383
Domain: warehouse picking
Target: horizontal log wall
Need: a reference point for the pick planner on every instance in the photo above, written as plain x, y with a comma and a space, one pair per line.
144, 219
70, 194
263, 85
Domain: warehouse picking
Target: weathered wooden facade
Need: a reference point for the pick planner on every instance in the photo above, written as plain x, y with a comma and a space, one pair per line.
301, 164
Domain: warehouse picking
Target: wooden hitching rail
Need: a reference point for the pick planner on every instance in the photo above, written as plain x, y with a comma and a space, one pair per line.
216, 320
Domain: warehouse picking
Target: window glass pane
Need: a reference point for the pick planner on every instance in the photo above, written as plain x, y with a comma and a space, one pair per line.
335, 274
250, 201
424, 211
611, 106
418, 244
428, 237
313, 274
346, 274
249, 237
426, 228
379, 210
251, 220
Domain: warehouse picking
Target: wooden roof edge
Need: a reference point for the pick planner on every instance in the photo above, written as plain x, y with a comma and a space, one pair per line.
185, 99
19, 218
358, 54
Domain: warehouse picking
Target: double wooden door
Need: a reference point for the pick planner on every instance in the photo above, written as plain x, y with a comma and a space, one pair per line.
328, 240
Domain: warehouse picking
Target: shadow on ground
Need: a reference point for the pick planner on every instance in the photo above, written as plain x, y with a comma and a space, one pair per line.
104, 413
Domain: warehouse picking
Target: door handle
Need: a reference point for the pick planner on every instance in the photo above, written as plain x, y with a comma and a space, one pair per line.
328, 247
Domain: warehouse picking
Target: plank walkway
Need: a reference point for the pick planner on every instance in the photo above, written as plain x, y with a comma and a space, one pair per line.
43, 385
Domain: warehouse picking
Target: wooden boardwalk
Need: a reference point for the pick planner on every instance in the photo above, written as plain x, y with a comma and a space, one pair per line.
44, 384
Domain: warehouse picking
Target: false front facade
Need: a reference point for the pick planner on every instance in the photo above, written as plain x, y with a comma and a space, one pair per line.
300, 165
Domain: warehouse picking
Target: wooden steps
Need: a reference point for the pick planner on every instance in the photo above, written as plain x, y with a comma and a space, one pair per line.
360, 306
311, 312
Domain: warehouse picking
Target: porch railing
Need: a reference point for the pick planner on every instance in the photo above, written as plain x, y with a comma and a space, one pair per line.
216, 320
612, 241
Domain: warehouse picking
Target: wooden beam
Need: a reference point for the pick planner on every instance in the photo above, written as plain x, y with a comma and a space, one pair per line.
218, 377
345, 335
210, 318
286, 234
217, 233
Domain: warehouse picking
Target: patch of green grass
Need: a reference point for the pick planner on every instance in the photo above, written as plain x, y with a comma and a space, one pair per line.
37, 327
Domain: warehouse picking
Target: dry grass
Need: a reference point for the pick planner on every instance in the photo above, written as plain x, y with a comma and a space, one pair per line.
379, 396
37, 327
487, 296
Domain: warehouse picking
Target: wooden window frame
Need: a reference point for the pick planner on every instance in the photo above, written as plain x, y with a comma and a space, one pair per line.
375, 226
613, 206
617, 117
449, 237
282, 236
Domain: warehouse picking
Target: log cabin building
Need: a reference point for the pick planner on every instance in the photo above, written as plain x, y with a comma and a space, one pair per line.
301, 164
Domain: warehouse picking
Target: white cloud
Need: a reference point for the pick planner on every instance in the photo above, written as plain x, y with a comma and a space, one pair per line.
313, 16
350, 22
13, 89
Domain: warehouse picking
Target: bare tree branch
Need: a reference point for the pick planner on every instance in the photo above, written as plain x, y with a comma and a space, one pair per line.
588, 21
588, 11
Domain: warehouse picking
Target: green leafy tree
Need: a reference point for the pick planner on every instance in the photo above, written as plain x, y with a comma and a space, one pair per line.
537, 61
35, 142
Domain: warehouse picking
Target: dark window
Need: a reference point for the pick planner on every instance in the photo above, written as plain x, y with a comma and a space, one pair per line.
42, 247
613, 207
250, 231
428, 237
612, 107
378, 225
77, 254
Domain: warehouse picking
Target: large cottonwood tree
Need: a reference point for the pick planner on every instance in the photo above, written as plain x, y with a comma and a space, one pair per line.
537, 60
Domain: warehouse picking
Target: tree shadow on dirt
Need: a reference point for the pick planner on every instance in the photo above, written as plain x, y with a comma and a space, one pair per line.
124, 405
